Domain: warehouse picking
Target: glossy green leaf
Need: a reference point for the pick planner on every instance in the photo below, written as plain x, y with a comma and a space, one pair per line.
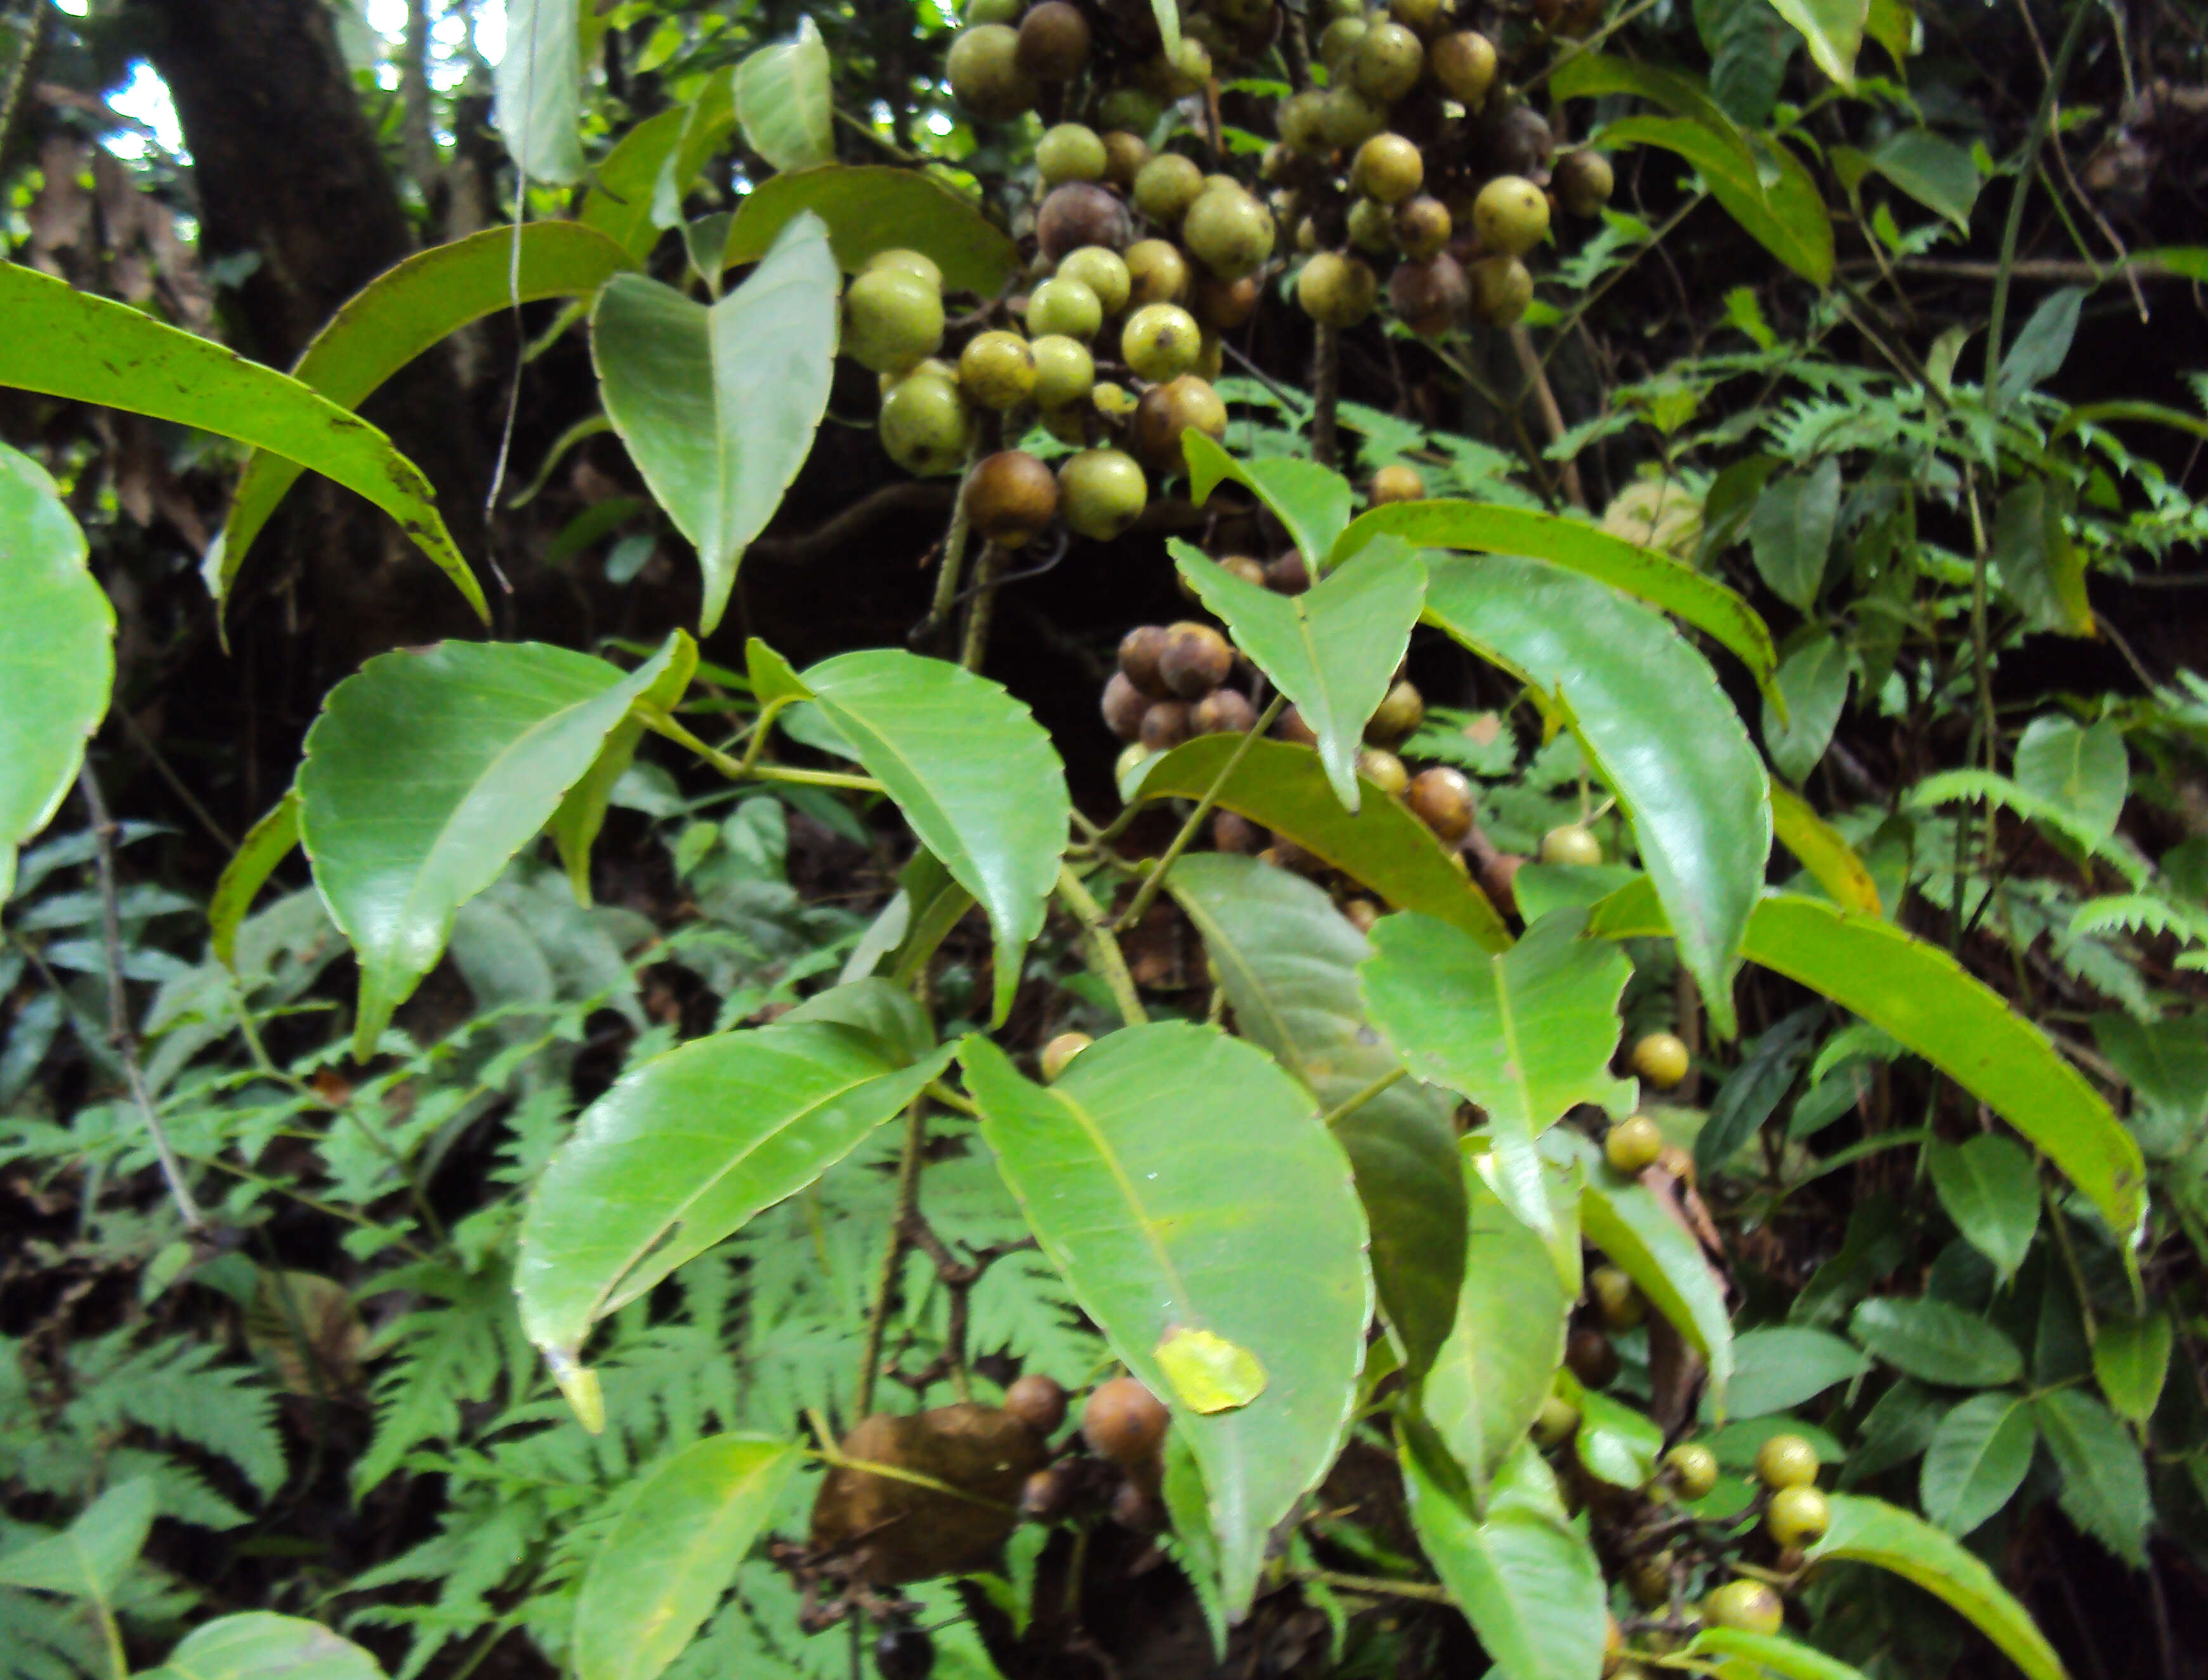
637, 190
402, 313
69, 344
1648, 711
1282, 787
267, 844
2081, 769
425, 773
1990, 1188
539, 84
1286, 959
1332, 649
658, 1575
1977, 1460
2104, 1487
2041, 571
1586, 75
1771, 1653
892, 1015
718, 406
1622, 1218
1153, 1141
1787, 216
574, 827
1752, 1092
1870, 1531
972, 772
686, 1148
1523, 1034
89, 1559
1932, 170
1778, 1368
1824, 851
877, 207
1813, 683
1750, 47
785, 101
1936, 1341
1312, 502
257, 1645
1790, 531
1525, 1576
56, 654
1577, 546
1834, 31
1614, 1443
1501, 1358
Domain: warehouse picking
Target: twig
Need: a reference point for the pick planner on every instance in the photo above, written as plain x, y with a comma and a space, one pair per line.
1356, 1100
1425, 1592
1552, 417
120, 1032
907, 1203
954, 556
988, 572
1104, 953
1147, 894
1326, 391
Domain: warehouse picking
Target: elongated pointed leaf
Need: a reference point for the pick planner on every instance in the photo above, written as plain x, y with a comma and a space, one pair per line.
785, 101
89, 1559
1787, 216
1288, 960
1622, 1218
395, 318
1814, 685
1284, 787
683, 1150
267, 844
718, 406
658, 1574
1991, 1191
1332, 649
1312, 501
1937, 1342
636, 190
1155, 1143
257, 1645
872, 207
1647, 709
1834, 31
56, 654
1773, 1654
1824, 851
1577, 546
1918, 992
426, 773
2131, 1362
1870, 1531
70, 343
1525, 1577
539, 83
972, 772
1777, 1368
2104, 1484
1977, 1460
1524, 1035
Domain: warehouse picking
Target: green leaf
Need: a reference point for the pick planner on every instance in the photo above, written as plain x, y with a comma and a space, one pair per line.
2083, 770
1770, 1653
636, 191
785, 103
2103, 1477
1936, 1341
1778, 1368
56, 654
1991, 1191
685, 1150
1586, 75
1932, 170
1870, 1531
1523, 1034
257, 1645
1977, 1460
1919, 993
1824, 851
1749, 46
402, 313
426, 773
2041, 571
1616, 1444
1834, 31
267, 844
890, 1013
1791, 533
658, 1575
718, 406
70, 343
1288, 961
1525, 1577
574, 827
1622, 1218
1813, 682
89, 1559
1128, 1169
1752, 1092
1332, 649
1787, 216
877, 208
1501, 1358
1312, 502
972, 772
1648, 711
2131, 1362
1576, 546
539, 83
1282, 787
2041, 348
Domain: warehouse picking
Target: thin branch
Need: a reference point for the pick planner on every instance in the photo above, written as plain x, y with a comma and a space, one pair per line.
1356, 1100
907, 1204
1552, 417
1104, 953
1147, 894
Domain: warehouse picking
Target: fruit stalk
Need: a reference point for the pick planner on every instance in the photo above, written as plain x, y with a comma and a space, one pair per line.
1326, 391
1146, 895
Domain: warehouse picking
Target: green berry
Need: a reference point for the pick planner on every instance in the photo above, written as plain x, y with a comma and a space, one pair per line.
1161, 341
892, 319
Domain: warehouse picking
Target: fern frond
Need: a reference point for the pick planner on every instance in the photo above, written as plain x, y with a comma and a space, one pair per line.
1950, 787
445, 1357
2139, 913
174, 1388
48, 1639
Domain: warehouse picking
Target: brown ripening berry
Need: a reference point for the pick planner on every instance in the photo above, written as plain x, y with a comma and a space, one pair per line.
1582, 182
1167, 411
1361, 913
1292, 728
1233, 832
1422, 226
1441, 798
1011, 497
1034, 1399
1048, 1495
1164, 725
1499, 881
1464, 64
1249, 571
1124, 1422
1053, 41
1398, 481
1432, 297
1140, 648
1156, 274
1135, 1506
1123, 705
1125, 154
1080, 213
1383, 769
1222, 305
1400, 711
1284, 854
1196, 659
1502, 291
1286, 575
1592, 1359
1222, 712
